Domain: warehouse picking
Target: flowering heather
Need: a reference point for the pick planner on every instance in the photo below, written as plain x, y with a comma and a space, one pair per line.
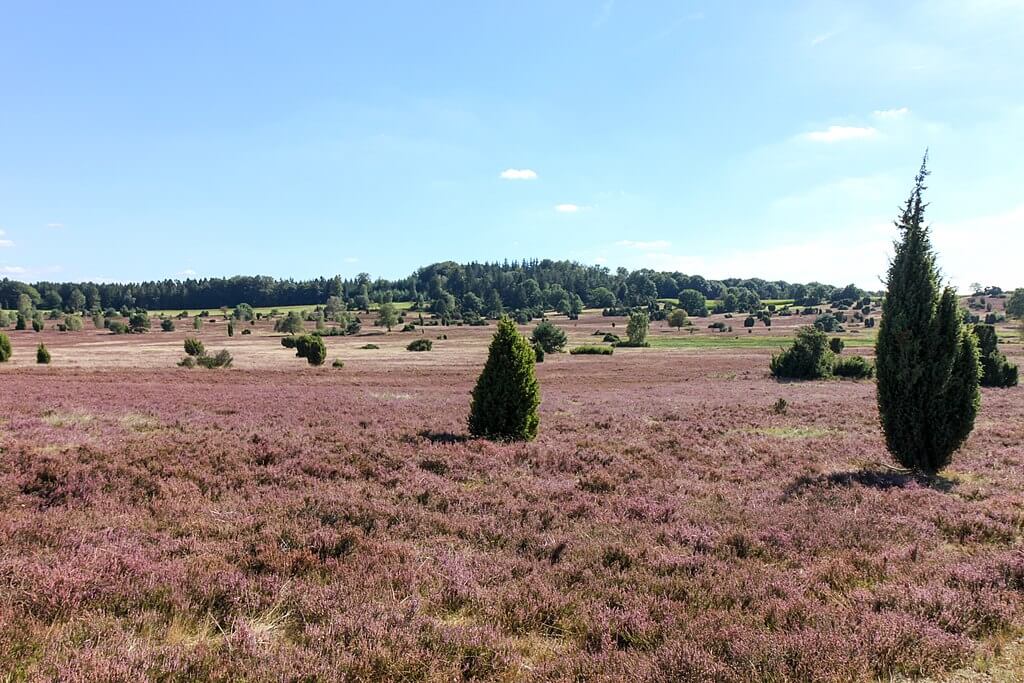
276, 521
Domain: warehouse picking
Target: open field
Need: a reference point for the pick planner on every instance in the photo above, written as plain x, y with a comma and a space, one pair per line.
666, 525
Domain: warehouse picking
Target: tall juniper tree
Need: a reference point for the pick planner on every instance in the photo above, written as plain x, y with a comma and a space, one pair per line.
927, 362
506, 396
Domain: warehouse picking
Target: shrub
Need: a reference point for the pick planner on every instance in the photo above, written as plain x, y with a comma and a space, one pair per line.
42, 355
836, 344
187, 362
5, 348
997, 371
197, 323
869, 322
246, 331
37, 325
538, 352
223, 359
369, 347
612, 338
97, 321
117, 327
506, 395
591, 350
693, 302
856, 367
808, 358
73, 323
827, 323
549, 337
780, 407
420, 345
167, 325
138, 322
749, 321
312, 348
408, 327
677, 318
288, 342
231, 328
927, 364
338, 363
194, 347
21, 322
290, 324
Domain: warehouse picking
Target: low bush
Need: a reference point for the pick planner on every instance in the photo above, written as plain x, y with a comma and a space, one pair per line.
997, 371
138, 322
338, 363
289, 341
749, 321
5, 348
246, 331
836, 344
194, 347
222, 359
611, 338
420, 345
117, 327
808, 358
187, 362
311, 347
408, 328
549, 337
42, 355
290, 324
592, 350
538, 351
167, 325
37, 325
855, 367
73, 323
369, 347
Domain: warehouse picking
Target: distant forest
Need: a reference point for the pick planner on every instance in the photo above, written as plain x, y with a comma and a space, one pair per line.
446, 288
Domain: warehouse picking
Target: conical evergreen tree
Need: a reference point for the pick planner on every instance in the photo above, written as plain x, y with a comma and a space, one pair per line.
506, 396
927, 361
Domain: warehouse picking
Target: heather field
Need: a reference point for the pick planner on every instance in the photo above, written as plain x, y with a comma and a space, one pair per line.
274, 521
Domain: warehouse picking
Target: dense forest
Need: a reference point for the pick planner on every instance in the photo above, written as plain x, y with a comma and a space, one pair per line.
446, 288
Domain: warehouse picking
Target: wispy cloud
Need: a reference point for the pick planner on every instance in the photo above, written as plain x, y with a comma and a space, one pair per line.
350, 259
890, 114
55, 225
569, 208
188, 272
604, 13
841, 134
821, 38
13, 270
519, 174
3, 242
652, 245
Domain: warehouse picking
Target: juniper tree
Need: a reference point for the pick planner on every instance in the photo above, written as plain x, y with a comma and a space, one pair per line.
506, 395
926, 361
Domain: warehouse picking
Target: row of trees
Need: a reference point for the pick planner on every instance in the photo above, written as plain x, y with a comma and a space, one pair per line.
447, 288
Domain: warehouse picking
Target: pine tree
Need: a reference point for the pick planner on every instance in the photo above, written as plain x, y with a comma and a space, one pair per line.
506, 396
927, 362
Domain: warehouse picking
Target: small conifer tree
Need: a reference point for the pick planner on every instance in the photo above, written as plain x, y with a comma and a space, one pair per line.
926, 361
5, 348
506, 395
42, 355
997, 371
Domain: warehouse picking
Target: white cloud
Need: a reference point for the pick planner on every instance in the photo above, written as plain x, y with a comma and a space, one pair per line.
351, 259
841, 134
818, 40
188, 272
646, 246
6, 243
519, 174
569, 208
55, 225
957, 246
604, 13
13, 270
600, 260
889, 114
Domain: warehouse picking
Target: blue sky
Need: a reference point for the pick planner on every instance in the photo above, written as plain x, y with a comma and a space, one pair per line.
146, 140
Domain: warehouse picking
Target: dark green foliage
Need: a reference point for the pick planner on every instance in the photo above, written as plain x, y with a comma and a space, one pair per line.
808, 358
827, 323
290, 324
856, 367
197, 323
506, 395
926, 362
194, 347
138, 321
420, 345
21, 322
5, 348
231, 329
1015, 304
636, 329
538, 352
836, 344
222, 359
312, 348
677, 318
693, 302
369, 347
117, 327
749, 321
997, 371
591, 350
338, 363
288, 342
611, 338
246, 331
42, 355
187, 362
167, 325
37, 325
549, 337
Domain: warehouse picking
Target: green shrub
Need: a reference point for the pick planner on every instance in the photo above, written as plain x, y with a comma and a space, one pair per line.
37, 325
856, 367
98, 321
194, 347
677, 318
836, 344
591, 350
289, 341
5, 348
117, 327
138, 321
338, 363
808, 358
197, 323
290, 324
73, 323
506, 395
549, 337
749, 321
187, 362
637, 328
312, 348
926, 362
231, 328
369, 347
827, 323
21, 322
538, 352
408, 328
997, 371
420, 345
246, 331
222, 359
612, 338
167, 325
42, 355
